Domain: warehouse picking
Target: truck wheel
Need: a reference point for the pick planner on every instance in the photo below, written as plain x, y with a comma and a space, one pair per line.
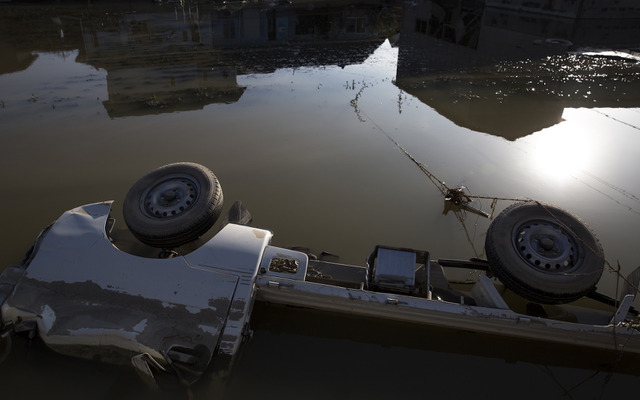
173, 205
544, 253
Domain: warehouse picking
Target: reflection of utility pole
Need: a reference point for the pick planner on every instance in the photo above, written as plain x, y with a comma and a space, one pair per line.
577, 19
580, 9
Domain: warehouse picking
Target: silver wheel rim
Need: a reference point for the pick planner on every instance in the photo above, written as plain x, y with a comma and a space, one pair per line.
170, 197
545, 246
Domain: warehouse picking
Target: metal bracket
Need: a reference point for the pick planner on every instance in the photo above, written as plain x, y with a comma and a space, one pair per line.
623, 310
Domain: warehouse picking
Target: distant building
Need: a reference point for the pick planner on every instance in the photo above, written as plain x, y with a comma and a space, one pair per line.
614, 9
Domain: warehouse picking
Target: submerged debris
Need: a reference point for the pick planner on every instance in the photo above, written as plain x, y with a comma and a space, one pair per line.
456, 199
284, 265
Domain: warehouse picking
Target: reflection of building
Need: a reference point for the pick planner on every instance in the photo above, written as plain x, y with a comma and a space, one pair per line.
13, 60
157, 60
179, 58
507, 72
262, 26
159, 89
611, 9
20, 24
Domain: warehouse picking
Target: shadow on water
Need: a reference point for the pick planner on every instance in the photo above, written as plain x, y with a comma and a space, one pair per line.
278, 319
366, 358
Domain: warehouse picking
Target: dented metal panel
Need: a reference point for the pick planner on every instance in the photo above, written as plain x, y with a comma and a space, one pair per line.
235, 250
90, 299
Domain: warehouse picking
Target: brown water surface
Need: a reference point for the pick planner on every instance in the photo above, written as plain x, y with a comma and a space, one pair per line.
302, 110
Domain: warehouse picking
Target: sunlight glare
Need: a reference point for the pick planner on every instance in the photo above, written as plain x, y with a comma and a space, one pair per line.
562, 151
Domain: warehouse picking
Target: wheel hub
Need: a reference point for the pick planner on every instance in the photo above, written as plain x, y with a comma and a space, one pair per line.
546, 246
170, 197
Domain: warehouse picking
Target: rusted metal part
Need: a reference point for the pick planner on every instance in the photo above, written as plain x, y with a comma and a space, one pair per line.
456, 199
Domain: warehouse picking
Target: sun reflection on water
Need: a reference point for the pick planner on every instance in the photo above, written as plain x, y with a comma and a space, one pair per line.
586, 141
562, 151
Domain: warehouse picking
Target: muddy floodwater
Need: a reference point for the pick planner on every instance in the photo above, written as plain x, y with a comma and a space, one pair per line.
340, 126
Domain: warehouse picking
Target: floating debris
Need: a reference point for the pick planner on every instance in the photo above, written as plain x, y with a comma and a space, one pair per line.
456, 199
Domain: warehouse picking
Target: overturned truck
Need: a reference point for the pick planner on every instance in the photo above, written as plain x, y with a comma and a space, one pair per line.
178, 314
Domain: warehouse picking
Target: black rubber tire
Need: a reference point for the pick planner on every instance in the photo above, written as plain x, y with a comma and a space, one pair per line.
544, 253
173, 205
